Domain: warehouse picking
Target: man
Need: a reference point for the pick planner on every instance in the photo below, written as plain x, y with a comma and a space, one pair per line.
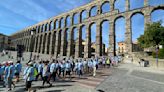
53, 70
46, 74
40, 70
68, 69
18, 68
30, 76
10, 75
80, 68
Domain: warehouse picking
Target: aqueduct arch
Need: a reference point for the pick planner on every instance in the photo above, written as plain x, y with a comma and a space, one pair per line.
51, 36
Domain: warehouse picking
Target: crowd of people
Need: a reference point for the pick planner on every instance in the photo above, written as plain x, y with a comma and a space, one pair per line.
53, 69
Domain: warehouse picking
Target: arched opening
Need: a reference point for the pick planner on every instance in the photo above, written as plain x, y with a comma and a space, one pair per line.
68, 21
120, 5
134, 4
36, 43
83, 33
137, 24
59, 43
48, 45
42, 28
93, 11
157, 15
61, 22
56, 24
52, 25
105, 7
53, 42
83, 15
75, 18
156, 2
105, 37
92, 29
74, 36
119, 36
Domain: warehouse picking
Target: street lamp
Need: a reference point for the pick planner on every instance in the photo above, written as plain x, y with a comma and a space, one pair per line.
157, 50
31, 43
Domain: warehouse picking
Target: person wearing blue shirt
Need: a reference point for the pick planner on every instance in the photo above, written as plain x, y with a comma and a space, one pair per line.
6, 73
18, 68
62, 66
10, 75
53, 70
30, 76
68, 69
89, 66
79, 68
40, 70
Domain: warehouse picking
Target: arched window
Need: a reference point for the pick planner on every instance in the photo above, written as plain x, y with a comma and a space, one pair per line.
93, 11
83, 15
68, 21
105, 7
75, 18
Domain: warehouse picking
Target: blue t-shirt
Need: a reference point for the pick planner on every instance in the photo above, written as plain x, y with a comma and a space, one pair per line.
6, 71
80, 66
40, 68
18, 67
1, 70
30, 74
68, 66
11, 70
52, 67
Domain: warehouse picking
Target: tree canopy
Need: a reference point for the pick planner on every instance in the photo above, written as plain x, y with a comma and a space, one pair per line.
153, 35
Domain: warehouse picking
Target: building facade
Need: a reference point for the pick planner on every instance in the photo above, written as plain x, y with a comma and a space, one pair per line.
4, 42
56, 37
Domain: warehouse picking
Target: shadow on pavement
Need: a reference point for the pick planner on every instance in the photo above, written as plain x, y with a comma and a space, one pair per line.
55, 91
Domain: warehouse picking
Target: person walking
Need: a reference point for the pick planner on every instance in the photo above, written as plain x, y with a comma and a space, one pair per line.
53, 70
40, 70
80, 68
46, 74
10, 75
30, 76
68, 69
18, 68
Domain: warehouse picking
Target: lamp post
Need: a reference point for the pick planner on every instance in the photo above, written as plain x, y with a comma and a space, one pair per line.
157, 50
31, 43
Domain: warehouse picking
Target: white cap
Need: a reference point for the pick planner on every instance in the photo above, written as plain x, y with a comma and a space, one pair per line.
30, 63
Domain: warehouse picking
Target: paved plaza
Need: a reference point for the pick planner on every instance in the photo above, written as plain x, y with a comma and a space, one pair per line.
124, 78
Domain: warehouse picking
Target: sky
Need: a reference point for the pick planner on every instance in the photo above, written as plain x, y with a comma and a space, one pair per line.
16, 15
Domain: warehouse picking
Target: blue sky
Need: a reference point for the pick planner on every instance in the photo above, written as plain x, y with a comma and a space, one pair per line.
19, 14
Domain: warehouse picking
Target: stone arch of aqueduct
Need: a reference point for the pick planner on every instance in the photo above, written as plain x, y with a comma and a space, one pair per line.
50, 36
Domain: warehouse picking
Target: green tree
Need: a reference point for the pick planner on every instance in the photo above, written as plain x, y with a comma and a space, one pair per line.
153, 35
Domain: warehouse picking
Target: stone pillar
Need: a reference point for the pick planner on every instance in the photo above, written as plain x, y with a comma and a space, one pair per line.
99, 9
78, 51
46, 43
111, 5
48, 26
70, 43
98, 40
42, 44
128, 35
63, 43
146, 3
29, 44
127, 5
51, 42
87, 50
111, 50
147, 19
38, 46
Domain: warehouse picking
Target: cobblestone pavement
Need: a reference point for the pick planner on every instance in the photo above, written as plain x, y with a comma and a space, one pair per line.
131, 79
